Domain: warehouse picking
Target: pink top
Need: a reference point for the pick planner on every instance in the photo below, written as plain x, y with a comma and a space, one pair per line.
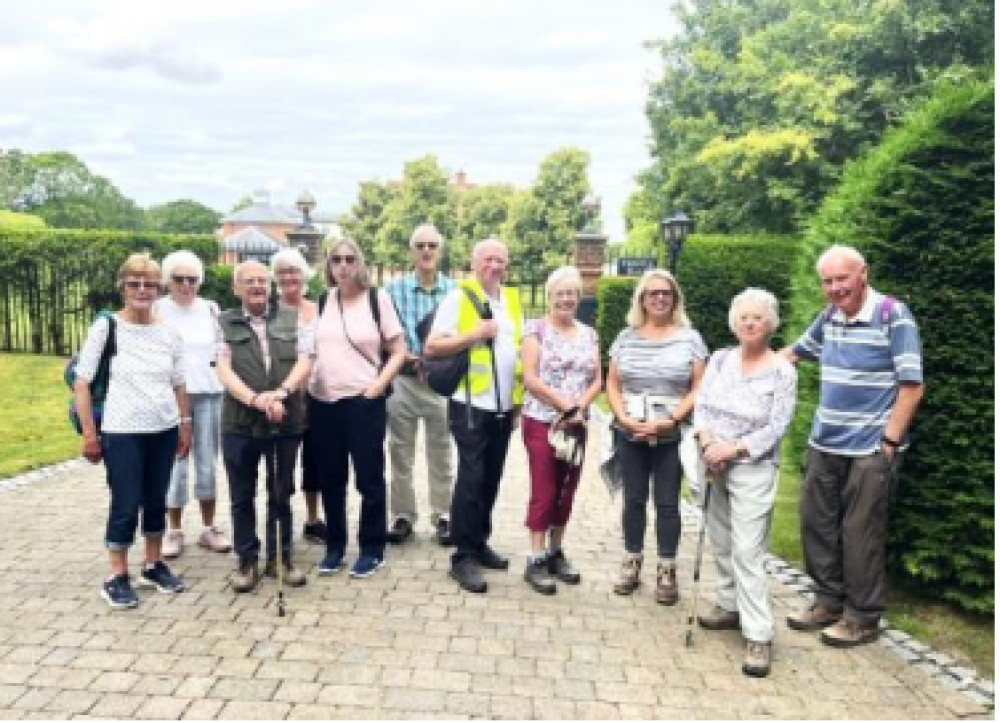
340, 371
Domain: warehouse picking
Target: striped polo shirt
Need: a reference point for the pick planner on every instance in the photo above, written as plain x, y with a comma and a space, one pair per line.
863, 360
413, 302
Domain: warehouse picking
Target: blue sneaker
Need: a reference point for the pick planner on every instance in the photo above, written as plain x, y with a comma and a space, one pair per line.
330, 563
366, 565
118, 592
160, 577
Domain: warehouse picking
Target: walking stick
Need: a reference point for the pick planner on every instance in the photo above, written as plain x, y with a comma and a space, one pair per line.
707, 480
272, 471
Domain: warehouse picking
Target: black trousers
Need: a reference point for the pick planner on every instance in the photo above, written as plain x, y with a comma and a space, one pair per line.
351, 430
482, 451
241, 456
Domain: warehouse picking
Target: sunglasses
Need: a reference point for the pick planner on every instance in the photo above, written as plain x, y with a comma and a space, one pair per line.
136, 284
659, 293
178, 279
425, 246
345, 259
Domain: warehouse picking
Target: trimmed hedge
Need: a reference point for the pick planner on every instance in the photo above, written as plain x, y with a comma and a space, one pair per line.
711, 271
920, 207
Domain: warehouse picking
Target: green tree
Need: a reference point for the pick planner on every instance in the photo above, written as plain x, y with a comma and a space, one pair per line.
424, 197
369, 214
184, 216
482, 212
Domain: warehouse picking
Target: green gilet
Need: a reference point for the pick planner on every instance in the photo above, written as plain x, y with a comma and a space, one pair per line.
247, 363
480, 373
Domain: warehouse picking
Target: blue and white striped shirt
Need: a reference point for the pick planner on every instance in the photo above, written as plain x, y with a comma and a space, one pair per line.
413, 302
863, 361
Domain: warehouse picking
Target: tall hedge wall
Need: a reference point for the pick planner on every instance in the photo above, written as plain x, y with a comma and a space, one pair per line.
711, 271
921, 208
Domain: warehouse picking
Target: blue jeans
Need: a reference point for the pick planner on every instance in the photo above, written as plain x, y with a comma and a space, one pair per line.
206, 423
138, 470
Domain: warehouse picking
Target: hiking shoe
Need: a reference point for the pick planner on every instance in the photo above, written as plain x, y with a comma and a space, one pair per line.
290, 575
814, 617
212, 539
720, 619
491, 560
756, 659
366, 565
330, 563
160, 577
442, 532
172, 544
536, 574
247, 577
467, 574
628, 579
314, 532
400, 532
561, 569
118, 592
846, 633
666, 584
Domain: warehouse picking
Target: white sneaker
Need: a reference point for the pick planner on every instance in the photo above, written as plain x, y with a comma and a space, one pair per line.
173, 543
212, 539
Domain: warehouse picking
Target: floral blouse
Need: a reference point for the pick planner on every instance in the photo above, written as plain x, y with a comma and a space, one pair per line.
564, 364
756, 408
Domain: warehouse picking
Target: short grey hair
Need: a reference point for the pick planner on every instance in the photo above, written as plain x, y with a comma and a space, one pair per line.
760, 298
181, 258
840, 250
426, 231
480, 245
564, 275
238, 269
294, 258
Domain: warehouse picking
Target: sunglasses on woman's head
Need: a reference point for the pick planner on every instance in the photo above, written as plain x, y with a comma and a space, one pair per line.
345, 259
142, 284
179, 279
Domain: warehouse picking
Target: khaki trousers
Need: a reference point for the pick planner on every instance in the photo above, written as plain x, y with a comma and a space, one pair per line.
411, 401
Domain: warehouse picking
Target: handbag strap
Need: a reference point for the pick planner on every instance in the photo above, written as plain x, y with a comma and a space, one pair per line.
372, 300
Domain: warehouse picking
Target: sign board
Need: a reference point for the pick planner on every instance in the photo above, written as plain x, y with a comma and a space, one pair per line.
635, 265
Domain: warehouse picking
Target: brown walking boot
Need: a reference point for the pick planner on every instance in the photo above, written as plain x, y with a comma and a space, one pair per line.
628, 579
246, 577
814, 617
666, 583
720, 619
846, 633
757, 659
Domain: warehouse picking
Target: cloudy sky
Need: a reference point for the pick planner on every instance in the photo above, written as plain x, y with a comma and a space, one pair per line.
210, 100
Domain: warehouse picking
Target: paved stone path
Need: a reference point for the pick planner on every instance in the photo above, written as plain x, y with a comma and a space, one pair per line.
403, 644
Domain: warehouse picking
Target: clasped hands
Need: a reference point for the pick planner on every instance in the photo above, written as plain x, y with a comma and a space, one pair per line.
272, 404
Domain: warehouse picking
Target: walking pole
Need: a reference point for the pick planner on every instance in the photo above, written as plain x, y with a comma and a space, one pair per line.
272, 469
707, 483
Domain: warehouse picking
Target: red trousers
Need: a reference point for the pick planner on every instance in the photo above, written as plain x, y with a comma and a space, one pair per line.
553, 482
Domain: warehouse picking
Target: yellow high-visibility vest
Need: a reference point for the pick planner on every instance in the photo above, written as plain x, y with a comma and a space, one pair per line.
480, 372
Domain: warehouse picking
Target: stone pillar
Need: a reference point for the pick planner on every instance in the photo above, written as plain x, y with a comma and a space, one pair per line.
307, 240
588, 257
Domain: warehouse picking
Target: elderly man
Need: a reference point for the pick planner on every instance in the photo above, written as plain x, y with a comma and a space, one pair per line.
483, 412
415, 295
872, 382
262, 360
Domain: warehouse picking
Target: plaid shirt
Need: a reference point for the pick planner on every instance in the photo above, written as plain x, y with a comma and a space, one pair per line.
413, 303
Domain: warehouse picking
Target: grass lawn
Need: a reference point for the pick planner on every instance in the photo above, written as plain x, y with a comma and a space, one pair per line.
33, 421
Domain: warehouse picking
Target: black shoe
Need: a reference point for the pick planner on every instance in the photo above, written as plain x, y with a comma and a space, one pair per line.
160, 577
442, 532
118, 593
536, 574
314, 532
561, 569
400, 532
489, 559
466, 573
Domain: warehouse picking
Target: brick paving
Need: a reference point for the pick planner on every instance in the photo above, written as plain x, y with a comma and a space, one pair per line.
405, 643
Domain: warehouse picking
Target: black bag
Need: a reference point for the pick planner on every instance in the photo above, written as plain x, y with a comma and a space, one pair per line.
445, 373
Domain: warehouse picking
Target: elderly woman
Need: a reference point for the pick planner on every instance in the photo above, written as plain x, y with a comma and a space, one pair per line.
194, 319
655, 366
293, 273
146, 423
347, 405
744, 406
562, 376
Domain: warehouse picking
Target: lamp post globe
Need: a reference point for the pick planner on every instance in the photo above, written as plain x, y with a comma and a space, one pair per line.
675, 232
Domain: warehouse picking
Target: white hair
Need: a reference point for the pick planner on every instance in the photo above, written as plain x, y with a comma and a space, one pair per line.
759, 298
426, 231
840, 251
238, 269
564, 275
480, 245
181, 258
292, 257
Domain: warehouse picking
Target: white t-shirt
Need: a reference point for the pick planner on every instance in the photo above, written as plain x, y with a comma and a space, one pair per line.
196, 326
504, 347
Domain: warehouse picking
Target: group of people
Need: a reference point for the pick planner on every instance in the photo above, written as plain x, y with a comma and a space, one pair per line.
334, 376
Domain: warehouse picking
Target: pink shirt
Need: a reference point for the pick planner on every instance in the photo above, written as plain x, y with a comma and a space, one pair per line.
339, 370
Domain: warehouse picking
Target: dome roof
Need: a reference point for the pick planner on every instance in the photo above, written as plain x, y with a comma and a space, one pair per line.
250, 240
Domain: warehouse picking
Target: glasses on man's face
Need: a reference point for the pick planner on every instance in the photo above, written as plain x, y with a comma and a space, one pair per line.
136, 284
345, 259
659, 293
256, 281
425, 246
179, 279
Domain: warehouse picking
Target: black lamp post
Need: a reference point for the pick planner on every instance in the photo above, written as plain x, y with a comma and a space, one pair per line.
675, 231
